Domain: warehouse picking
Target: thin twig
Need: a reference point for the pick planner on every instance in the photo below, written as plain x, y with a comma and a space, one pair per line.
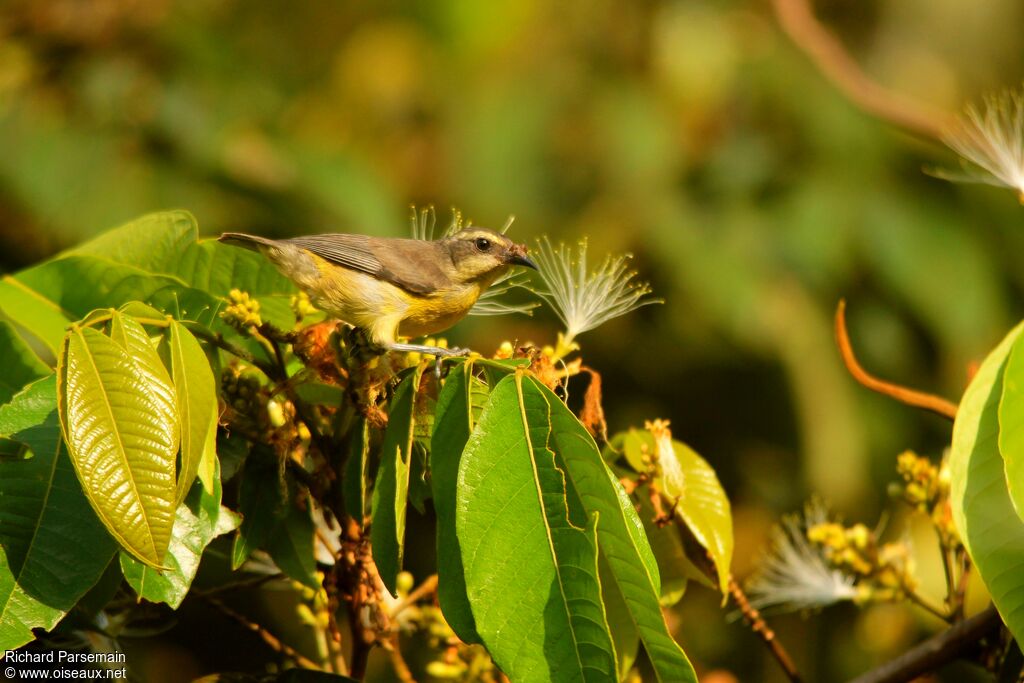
269, 638
241, 584
428, 587
910, 397
758, 626
937, 651
835, 63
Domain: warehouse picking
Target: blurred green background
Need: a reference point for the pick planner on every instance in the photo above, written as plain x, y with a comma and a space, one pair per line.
693, 134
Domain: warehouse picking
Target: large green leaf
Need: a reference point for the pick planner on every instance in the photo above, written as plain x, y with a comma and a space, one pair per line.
391, 488
1011, 425
40, 316
120, 421
458, 407
197, 521
982, 509
620, 534
52, 547
21, 366
166, 243
531, 574
196, 394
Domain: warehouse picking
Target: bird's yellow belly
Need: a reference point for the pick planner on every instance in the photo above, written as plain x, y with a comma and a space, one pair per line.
383, 310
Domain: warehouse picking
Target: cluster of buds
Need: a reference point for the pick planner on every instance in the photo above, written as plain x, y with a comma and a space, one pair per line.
455, 660
301, 306
314, 610
885, 570
253, 407
925, 487
243, 312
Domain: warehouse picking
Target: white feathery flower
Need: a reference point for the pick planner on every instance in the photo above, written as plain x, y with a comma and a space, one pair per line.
586, 299
990, 140
795, 575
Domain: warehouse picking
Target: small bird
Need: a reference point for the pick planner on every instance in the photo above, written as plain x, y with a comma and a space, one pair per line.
388, 286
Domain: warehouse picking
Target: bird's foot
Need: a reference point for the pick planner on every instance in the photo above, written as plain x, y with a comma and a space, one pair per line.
439, 353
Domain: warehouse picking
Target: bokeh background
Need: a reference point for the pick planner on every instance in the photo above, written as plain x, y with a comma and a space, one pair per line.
690, 133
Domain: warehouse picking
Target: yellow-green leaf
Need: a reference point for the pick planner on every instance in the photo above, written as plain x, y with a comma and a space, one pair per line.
120, 420
196, 393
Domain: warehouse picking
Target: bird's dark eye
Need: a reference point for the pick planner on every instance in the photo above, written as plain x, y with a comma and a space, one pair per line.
483, 244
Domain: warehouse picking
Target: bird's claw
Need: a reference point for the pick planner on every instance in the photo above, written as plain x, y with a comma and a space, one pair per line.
447, 353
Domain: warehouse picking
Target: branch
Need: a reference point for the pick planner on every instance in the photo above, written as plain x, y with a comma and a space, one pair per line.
267, 637
911, 397
937, 651
758, 626
834, 62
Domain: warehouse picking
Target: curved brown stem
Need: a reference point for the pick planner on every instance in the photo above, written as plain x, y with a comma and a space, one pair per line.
758, 626
911, 397
835, 63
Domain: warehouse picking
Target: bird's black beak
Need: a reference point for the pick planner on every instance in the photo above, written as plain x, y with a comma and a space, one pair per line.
516, 256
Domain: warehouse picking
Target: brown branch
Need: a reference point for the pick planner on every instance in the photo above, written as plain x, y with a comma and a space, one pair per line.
758, 626
830, 57
911, 397
941, 649
269, 638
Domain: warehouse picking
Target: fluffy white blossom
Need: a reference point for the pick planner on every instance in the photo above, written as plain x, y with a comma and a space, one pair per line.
795, 575
585, 299
990, 139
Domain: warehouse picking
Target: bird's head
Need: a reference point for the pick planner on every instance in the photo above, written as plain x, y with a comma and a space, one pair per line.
481, 255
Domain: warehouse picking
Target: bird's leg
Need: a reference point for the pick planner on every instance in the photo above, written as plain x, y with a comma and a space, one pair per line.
436, 351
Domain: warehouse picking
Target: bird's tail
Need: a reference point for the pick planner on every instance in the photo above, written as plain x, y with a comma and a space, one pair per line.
240, 239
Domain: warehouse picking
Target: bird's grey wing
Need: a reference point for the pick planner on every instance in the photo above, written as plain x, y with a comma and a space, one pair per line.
403, 263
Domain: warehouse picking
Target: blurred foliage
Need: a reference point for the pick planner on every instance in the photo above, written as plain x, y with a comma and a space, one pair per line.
691, 133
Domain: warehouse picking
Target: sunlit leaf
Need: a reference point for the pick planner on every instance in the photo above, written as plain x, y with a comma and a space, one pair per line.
1011, 425
196, 523
120, 421
991, 530
531, 574
196, 394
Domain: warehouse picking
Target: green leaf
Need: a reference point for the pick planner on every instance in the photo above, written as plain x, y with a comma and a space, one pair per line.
458, 408
391, 489
30, 407
356, 471
52, 547
982, 509
21, 366
531, 575
166, 243
40, 316
196, 394
120, 421
195, 525
705, 508
620, 534
262, 503
291, 547
1011, 425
